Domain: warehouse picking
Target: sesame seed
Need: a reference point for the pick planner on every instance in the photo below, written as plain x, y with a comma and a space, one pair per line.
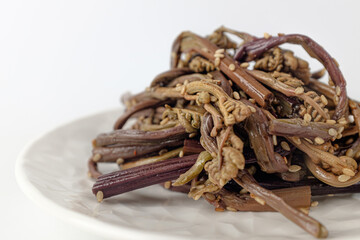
219, 55
213, 98
330, 82
331, 195
307, 117
348, 172
341, 129
96, 157
167, 184
183, 90
342, 121
309, 140
294, 168
230, 82
252, 170
181, 153
186, 82
120, 161
220, 50
349, 141
343, 178
210, 196
197, 197
338, 90
191, 135
285, 146
299, 90
357, 155
304, 210
319, 140
252, 109
314, 203
236, 95
274, 140
242, 94
330, 121
260, 200
201, 186
244, 65
324, 100
243, 191
231, 209
217, 62
336, 100
267, 36
252, 100
332, 132
232, 67
296, 140
219, 209
349, 153
339, 136
99, 196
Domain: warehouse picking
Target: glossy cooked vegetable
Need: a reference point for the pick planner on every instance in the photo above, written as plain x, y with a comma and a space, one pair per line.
246, 127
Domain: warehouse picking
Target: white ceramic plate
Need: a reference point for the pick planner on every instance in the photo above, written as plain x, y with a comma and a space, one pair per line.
52, 172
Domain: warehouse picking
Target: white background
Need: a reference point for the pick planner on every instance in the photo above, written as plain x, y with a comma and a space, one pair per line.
60, 60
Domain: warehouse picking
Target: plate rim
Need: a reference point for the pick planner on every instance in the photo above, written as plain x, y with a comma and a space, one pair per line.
103, 229
85, 222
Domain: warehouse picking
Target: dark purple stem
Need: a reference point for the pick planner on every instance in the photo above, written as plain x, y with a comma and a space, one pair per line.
257, 47
142, 176
137, 137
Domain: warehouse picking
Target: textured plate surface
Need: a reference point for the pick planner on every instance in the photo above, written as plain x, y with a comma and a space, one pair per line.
52, 172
